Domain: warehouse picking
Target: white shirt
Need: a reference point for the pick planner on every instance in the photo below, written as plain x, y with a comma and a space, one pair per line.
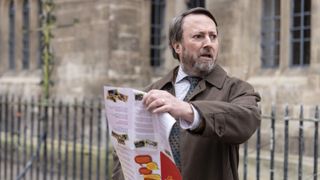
181, 87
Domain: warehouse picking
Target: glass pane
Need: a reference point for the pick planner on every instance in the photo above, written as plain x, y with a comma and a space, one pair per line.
296, 53
277, 24
306, 55
11, 35
306, 33
157, 13
277, 7
277, 36
296, 34
270, 33
307, 20
307, 5
25, 59
266, 8
296, 6
276, 55
296, 21
195, 3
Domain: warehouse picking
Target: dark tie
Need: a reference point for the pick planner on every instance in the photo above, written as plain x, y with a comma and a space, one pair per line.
174, 138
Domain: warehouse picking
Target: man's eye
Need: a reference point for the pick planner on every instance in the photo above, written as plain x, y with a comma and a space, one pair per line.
213, 36
197, 36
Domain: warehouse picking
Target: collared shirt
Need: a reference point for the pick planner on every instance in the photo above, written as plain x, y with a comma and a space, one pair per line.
181, 87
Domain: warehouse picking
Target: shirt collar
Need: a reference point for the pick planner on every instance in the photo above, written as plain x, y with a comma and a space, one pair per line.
217, 77
180, 75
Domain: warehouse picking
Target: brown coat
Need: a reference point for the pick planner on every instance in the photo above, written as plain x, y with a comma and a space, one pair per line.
230, 115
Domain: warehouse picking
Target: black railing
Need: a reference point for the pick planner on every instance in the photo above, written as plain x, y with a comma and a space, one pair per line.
56, 140
289, 147
53, 140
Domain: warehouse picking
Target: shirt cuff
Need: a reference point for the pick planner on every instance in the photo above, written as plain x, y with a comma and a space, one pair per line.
196, 120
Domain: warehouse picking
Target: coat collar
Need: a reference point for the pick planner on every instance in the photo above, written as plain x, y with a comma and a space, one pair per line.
216, 77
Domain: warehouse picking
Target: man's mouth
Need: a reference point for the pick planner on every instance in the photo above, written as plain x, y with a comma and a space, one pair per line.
206, 55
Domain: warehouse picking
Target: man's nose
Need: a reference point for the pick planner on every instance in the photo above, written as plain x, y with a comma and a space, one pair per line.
208, 41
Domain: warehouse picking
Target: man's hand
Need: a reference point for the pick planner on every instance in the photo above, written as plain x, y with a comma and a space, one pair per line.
159, 101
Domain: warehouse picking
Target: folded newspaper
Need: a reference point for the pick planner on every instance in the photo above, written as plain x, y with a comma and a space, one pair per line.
140, 138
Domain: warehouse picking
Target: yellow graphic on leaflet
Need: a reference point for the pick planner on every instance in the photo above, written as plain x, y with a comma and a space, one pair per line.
152, 166
152, 177
147, 167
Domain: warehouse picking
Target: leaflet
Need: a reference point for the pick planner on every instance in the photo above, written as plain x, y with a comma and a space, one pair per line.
140, 138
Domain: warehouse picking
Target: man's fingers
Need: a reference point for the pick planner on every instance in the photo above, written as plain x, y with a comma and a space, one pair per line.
155, 104
148, 98
161, 109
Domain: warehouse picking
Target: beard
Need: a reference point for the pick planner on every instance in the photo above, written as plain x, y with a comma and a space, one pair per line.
194, 66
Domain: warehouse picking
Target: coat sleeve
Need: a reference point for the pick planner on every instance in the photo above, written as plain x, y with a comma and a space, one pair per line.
117, 173
232, 121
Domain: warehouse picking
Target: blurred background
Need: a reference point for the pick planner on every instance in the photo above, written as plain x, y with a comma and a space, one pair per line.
56, 56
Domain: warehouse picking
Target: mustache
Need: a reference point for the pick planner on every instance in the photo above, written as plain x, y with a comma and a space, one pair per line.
207, 53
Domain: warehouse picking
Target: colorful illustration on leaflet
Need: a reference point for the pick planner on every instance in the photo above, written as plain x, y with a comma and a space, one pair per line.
147, 167
138, 97
144, 143
114, 95
121, 138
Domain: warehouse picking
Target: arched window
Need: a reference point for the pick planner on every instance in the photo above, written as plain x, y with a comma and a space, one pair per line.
26, 35
11, 35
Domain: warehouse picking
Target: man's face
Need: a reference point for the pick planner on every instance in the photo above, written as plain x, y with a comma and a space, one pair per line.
198, 49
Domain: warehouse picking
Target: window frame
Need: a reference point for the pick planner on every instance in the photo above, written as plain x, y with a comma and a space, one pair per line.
195, 3
271, 47
301, 39
157, 36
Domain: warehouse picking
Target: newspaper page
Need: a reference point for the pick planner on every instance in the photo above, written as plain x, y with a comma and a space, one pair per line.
140, 138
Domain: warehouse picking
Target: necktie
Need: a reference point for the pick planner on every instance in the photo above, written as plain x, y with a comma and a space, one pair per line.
174, 137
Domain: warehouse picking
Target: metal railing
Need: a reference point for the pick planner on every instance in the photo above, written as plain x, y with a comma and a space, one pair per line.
70, 141
73, 136
286, 147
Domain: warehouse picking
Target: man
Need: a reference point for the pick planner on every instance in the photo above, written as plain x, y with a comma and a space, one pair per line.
219, 114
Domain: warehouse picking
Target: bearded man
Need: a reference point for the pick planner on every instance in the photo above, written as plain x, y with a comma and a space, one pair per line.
215, 113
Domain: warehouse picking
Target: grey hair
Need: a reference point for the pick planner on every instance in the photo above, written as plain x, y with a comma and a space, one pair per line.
176, 31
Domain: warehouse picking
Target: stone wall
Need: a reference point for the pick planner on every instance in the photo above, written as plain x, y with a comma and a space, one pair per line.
99, 43
96, 43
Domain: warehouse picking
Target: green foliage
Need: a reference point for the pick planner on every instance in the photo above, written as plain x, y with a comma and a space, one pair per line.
47, 24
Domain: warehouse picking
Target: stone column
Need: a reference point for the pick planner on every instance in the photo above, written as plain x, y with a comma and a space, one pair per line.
315, 36
4, 5
285, 18
18, 47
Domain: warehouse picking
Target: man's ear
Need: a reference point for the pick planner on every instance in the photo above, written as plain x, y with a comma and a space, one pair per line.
177, 47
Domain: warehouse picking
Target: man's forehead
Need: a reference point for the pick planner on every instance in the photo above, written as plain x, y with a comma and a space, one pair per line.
198, 22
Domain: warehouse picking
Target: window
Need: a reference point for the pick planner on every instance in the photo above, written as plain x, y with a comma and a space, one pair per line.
270, 41
40, 35
26, 35
19, 37
157, 34
300, 32
11, 42
195, 3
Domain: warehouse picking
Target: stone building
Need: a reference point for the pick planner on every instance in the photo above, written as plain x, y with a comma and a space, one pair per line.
272, 44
